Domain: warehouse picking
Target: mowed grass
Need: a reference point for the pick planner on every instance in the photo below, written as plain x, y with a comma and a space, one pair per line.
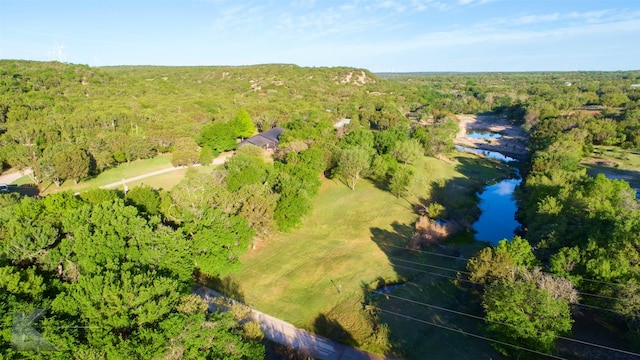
311, 270
168, 180
615, 163
123, 171
316, 276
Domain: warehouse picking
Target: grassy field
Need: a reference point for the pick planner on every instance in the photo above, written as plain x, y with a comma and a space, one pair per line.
615, 163
316, 277
118, 173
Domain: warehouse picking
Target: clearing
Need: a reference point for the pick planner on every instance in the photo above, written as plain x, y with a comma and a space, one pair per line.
317, 276
615, 163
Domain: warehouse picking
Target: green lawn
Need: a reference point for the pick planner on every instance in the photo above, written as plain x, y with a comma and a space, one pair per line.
615, 163
120, 172
291, 277
314, 277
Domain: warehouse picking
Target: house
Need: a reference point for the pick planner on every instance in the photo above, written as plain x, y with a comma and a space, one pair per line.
266, 140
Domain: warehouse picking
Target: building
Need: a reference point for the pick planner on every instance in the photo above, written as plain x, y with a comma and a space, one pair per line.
266, 140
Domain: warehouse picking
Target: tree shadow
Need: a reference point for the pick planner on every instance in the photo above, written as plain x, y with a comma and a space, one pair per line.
425, 276
630, 176
332, 329
226, 286
428, 274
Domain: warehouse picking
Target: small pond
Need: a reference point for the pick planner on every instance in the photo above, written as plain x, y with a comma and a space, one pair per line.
484, 135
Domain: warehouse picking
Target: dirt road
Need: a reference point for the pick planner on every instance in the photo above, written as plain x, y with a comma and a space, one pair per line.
221, 159
284, 333
11, 177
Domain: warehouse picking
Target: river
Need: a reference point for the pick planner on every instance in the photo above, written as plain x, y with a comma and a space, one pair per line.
498, 218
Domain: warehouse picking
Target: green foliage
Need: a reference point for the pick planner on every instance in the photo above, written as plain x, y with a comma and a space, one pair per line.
146, 199
185, 152
360, 137
437, 138
219, 136
385, 141
532, 317
407, 151
290, 209
400, 181
519, 251
244, 169
206, 156
71, 163
97, 196
242, 125
435, 210
353, 165
218, 241
489, 265
123, 279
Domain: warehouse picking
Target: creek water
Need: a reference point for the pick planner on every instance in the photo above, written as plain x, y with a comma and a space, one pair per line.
486, 135
487, 153
497, 220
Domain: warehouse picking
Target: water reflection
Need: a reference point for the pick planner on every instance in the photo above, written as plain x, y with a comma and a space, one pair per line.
485, 135
487, 153
497, 220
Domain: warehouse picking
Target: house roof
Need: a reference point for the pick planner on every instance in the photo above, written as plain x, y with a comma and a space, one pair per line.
267, 138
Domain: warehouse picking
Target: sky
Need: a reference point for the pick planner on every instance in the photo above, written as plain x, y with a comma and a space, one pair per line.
378, 35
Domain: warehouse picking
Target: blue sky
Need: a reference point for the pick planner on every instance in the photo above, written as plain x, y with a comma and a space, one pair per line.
379, 35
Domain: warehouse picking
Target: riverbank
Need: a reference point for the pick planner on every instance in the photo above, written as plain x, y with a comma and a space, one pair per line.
512, 143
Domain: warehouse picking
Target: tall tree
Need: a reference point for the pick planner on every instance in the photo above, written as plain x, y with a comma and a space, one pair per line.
242, 124
219, 136
71, 163
185, 152
353, 164
520, 312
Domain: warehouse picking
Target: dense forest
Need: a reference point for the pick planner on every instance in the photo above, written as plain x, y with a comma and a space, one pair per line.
115, 270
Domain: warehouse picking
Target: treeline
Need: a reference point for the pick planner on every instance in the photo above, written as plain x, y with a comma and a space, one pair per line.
53, 114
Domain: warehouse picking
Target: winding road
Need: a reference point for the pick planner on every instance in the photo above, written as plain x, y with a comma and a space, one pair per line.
282, 332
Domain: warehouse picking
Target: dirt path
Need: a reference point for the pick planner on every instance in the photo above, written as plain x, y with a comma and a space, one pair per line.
512, 143
284, 333
221, 159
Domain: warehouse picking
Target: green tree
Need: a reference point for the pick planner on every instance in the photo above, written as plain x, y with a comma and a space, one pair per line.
71, 163
218, 241
519, 251
206, 156
292, 205
245, 169
185, 152
144, 198
353, 164
401, 180
242, 125
219, 136
407, 151
518, 312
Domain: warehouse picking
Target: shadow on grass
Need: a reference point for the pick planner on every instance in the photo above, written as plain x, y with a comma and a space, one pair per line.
225, 286
630, 176
411, 307
332, 329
